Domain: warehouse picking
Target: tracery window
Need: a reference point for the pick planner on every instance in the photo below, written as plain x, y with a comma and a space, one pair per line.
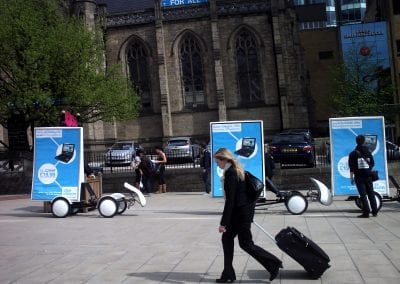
192, 77
139, 75
248, 72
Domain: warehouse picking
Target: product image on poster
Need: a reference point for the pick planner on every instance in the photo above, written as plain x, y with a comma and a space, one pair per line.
248, 147
244, 140
67, 152
343, 134
58, 163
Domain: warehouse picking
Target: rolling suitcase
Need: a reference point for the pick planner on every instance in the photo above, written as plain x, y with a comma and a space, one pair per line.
307, 253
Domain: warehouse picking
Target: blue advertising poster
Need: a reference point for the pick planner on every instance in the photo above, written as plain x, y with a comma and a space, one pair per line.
58, 163
245, 139
343, 132
168, 3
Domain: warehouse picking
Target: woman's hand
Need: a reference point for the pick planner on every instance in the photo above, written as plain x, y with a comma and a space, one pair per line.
221, 229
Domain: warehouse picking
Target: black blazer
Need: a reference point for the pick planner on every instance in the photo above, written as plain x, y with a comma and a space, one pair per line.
238, 205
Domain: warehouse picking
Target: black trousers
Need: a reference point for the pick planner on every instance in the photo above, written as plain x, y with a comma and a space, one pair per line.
241, 228
365, 188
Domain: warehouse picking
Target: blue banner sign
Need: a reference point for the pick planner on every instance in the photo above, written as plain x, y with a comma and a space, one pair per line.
365, 52
245, 139
168, 3
343, 132
367, 41
57, 163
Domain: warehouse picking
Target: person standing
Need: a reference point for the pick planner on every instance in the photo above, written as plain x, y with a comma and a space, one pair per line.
144, 168
205, 163
361, 162
138, 173
236, 219
269, 163
161, 161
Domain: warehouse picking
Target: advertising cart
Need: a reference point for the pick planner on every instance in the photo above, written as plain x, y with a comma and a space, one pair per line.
343, 132
245, 139
59, 180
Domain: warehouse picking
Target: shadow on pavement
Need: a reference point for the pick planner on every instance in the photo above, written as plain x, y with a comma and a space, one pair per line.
173, 277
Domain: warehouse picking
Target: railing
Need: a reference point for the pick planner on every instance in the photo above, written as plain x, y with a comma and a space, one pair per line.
179, 160
100, 163
14, 163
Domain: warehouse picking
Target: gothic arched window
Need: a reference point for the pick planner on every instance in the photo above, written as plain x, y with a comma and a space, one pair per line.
139, 75
248, 72
191, 72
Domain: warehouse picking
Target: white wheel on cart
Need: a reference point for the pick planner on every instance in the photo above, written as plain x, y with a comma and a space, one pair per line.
122, 205
108, 207
296, 203
378, 199
60, 207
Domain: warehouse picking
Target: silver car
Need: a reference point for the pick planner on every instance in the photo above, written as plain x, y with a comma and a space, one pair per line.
122, 153
181, 149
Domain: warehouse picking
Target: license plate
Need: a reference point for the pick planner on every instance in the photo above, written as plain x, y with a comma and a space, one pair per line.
289, 150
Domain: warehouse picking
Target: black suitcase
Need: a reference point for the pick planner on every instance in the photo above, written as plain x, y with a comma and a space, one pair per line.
307, 253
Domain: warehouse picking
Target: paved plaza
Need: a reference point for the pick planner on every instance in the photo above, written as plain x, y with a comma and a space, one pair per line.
174, 239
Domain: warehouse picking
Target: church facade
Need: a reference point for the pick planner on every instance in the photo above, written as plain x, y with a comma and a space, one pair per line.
196, 62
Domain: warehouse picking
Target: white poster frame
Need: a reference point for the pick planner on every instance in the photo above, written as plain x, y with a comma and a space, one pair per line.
234, 135
343, 132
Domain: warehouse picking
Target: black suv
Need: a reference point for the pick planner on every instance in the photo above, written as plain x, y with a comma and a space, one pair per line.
293, 147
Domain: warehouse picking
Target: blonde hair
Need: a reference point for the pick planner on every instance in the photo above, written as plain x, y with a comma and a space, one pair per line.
224, 154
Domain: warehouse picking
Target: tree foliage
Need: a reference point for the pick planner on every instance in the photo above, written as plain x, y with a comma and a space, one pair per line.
50, 62
361, 88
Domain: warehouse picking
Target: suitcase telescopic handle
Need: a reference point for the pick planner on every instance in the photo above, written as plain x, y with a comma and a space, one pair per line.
262, 229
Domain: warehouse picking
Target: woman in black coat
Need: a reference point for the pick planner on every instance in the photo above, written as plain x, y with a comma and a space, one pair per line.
237, 218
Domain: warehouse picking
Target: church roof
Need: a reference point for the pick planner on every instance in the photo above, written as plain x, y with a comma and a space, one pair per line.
123, 6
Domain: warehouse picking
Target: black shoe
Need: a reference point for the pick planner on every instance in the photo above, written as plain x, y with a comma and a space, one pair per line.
225, 280
273, 273
375, 215
363, 216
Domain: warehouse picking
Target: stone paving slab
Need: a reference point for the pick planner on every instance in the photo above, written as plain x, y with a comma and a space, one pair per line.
174, 239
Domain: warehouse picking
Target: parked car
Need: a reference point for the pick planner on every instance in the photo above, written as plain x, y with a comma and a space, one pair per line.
303, 131
293, 148
181, 149
392, 151
122, 153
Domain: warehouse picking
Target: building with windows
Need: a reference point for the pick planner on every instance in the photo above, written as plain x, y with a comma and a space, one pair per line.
352, 11
320, 39
194, 62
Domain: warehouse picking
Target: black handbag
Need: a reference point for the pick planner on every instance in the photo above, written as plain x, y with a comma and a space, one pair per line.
254, 186
374, 175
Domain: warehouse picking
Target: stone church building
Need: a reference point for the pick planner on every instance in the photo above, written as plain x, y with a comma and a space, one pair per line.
199, 61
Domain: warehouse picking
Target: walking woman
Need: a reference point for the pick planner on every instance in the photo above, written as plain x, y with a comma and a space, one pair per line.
237, 218
161, 161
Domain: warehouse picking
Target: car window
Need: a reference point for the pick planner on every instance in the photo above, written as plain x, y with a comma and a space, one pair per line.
127, 147
178, 142
121, 146
289, 138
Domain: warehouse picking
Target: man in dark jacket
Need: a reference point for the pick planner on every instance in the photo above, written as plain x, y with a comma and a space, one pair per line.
145, 167
361, 162
205, 163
